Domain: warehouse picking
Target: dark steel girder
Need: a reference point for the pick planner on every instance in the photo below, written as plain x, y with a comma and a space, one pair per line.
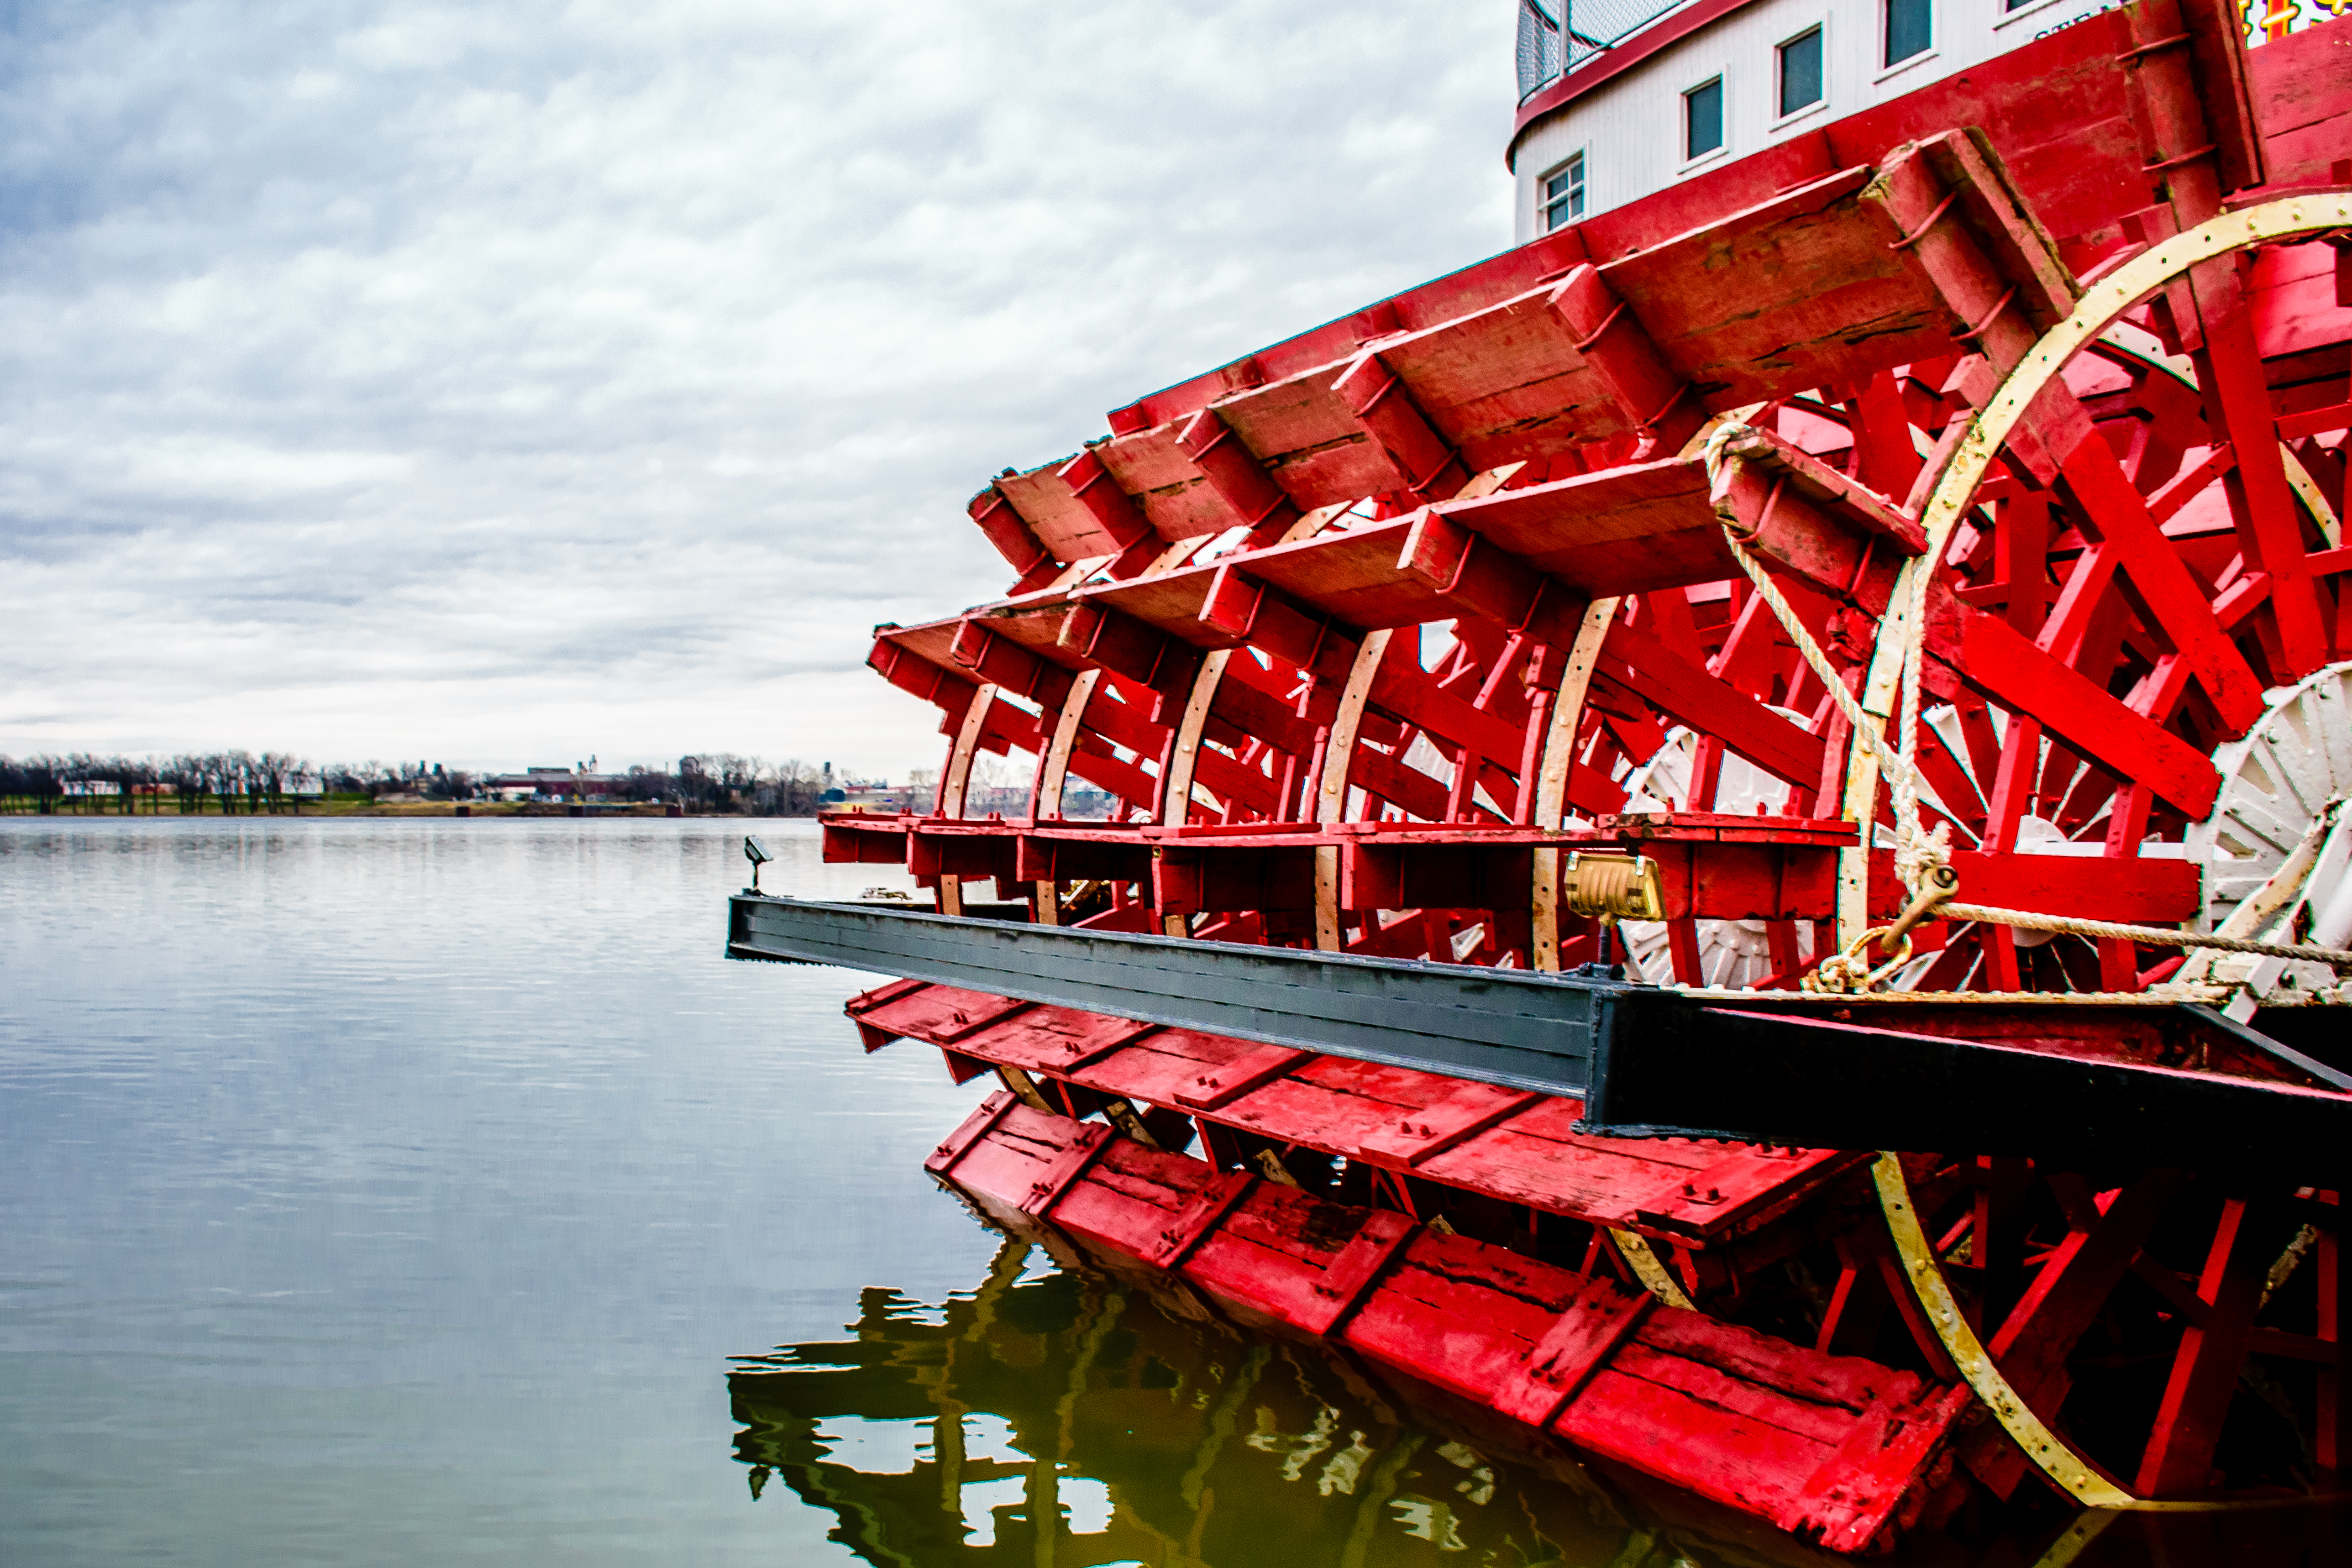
1500, 1026
1646, 1061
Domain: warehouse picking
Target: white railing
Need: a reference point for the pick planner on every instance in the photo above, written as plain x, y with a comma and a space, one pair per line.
1549, 45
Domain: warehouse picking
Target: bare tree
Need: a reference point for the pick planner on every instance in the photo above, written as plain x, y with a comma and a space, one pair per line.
273, 767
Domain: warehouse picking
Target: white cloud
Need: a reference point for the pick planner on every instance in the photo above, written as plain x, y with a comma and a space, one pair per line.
505, 378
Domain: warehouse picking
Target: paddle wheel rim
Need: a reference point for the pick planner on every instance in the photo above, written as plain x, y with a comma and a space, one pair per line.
2032, 1425
2129, 285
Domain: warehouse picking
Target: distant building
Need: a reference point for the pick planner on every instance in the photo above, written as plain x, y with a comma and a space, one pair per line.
861, 799
552, 784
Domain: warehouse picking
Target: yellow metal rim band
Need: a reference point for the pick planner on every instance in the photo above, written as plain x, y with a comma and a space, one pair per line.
2101, 306
2056, 1459
2050, 1453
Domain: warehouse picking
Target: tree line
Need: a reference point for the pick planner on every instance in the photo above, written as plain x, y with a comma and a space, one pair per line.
248, 783
240, 782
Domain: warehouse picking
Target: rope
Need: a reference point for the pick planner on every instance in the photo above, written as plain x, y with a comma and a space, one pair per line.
2155, 996
1917, 851
2154, 935
1921, 857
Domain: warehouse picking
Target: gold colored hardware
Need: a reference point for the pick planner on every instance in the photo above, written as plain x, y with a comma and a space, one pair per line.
1942, 883
1610, 887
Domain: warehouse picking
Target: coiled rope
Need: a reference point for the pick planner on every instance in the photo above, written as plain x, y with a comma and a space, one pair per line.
1922, 857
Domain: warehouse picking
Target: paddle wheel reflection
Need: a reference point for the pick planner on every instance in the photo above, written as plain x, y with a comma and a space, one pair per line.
1060, 1415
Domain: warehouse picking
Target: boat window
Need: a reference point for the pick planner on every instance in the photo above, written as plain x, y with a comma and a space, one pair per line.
1800, 72
1909, 29
1563, 194
1703, 118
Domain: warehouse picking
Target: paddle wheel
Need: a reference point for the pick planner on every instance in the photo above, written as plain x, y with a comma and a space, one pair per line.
1874, 598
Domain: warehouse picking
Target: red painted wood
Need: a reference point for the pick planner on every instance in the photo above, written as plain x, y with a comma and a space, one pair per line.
1054, 1040
866, 1001
1748, 1180
1202, 1213
2105, 493
1557, 1366
1796, 1438
1509, 1145
2004, 665
1841, 1503
976, 1126
2269, 522
2179, 1453
1349, 1276
1085, 1145
1681, 687
1418, 1136
1222, 1085
942, 1015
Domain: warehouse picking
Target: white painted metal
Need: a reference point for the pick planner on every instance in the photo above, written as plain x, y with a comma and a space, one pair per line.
2324, 903
2274, 784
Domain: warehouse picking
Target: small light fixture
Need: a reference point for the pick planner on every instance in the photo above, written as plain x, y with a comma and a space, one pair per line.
756, 854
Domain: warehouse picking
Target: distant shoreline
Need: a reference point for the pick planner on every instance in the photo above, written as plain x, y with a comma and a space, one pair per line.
104, 808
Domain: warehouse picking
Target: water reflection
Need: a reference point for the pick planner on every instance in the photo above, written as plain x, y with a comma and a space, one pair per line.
1058, 1416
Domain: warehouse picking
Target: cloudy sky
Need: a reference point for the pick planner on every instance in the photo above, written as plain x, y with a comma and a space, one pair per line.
505, 382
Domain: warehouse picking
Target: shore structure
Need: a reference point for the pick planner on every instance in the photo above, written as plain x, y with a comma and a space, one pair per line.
1727, 847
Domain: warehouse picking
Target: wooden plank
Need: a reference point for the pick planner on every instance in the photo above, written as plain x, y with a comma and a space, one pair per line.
1348, 1277
1628, 529
1084, 1146
1459, 1314
1507, 383
2105, 493
1748, 1179
941, 1014
1202, 1213
1776, 1431
1797, 292
866, 1001
2204, 1376
1845, 1503
1557, 1366
1749, 1356
1683, 688
982, 1120
1053, 1039
1751, 1465
1222, 1085
1472, 1108
1332, 1121
1708, 1384
2269, 521
1609, 334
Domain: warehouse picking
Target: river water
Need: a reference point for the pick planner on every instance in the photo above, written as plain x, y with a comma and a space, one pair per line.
398, 1191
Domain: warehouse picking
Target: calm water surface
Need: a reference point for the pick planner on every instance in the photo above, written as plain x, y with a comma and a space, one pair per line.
398, 1191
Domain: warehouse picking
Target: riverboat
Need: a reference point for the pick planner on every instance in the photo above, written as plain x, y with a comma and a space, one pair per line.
1729, 841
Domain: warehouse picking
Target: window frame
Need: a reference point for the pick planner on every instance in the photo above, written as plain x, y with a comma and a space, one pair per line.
1820, 97
2023, 9
1578, 194
1887, 68
1721, 81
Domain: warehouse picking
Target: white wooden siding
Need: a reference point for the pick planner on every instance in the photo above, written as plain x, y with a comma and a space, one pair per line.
1630, 129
